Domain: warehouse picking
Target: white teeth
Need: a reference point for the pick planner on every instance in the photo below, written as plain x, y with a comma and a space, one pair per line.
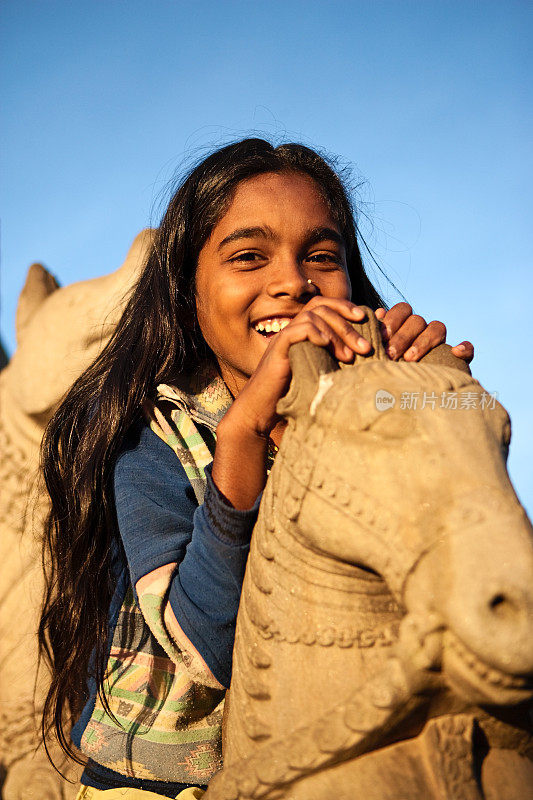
272, 325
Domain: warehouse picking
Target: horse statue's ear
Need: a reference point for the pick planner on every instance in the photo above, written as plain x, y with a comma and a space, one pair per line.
308, 362
370, 328
40, 284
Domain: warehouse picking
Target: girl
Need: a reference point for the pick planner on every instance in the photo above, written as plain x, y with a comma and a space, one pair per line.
157, 457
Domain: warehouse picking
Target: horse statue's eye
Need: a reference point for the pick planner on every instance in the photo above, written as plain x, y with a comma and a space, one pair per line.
506, 432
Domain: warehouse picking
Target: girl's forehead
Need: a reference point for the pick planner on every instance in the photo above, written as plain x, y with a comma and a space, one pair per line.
276, 185
290, 197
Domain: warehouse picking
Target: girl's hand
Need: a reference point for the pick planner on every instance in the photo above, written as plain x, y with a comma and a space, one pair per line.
408, 335
323, 321
239, 466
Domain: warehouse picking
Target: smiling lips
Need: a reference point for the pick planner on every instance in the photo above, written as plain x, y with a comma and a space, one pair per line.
271, 326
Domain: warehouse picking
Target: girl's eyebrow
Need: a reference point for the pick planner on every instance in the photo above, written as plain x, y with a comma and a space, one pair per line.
312, 235
247, 233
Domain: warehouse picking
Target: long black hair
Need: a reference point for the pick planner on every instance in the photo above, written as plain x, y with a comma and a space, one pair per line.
156, 338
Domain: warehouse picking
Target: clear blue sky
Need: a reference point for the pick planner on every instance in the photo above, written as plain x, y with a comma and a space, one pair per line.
430, 101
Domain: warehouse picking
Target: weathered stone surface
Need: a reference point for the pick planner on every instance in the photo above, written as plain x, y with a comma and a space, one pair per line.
389, 590
59, 333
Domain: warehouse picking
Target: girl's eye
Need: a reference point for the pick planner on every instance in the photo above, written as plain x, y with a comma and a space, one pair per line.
248, 261
254, 260
324, 258
247, 258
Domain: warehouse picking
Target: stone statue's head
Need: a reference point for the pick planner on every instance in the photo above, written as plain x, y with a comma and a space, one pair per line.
404, 466
61, 330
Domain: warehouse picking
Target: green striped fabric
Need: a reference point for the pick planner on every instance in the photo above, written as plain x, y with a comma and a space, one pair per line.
166, 714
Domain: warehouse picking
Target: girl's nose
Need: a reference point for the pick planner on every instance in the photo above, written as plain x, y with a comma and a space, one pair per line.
289, 280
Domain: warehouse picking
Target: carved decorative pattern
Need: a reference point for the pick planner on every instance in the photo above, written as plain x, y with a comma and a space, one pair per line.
22, 756
449, 743
23, 498
19, 730
15, 478
329, 636
341, 733
305, 473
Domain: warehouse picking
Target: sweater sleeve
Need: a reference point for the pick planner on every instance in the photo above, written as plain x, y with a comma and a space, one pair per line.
186, 561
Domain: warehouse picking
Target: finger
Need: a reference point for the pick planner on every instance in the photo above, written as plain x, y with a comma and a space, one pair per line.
278, 347
346, 308
337, 347
395, 317
349, 337
405, 336
433, 335
307, 328
465, 350
380, 314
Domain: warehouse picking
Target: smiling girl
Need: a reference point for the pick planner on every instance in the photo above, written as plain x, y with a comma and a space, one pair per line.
157, 457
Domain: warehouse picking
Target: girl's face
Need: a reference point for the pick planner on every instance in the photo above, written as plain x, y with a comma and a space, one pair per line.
253, 270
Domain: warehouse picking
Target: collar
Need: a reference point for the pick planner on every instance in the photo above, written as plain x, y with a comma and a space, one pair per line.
202, 394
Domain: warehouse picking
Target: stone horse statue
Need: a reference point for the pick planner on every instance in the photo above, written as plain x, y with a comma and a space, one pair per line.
60, 331
384, 645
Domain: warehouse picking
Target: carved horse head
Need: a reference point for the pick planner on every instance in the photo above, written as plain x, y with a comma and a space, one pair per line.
408, 464
60, 331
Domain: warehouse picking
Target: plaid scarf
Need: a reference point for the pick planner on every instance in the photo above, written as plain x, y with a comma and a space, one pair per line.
180, 415
166, 710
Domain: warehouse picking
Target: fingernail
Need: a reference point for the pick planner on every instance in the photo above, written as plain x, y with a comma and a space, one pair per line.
348, 352
391, 352
460, 347
358, 312
411, 353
